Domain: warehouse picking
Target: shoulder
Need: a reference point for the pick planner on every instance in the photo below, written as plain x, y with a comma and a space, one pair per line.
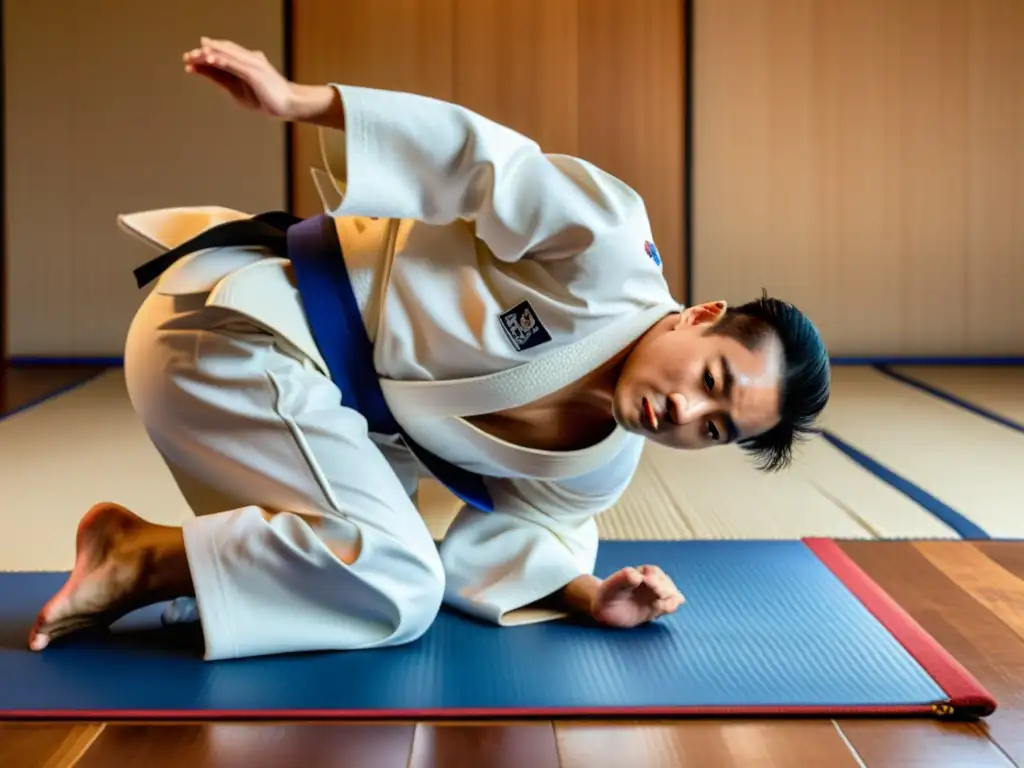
618, 224
604, 207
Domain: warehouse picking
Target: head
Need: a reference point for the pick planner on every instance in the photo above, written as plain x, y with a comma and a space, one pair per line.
757, 375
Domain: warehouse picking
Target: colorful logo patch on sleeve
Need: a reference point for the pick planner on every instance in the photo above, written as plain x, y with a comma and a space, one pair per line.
523, 327
652, 251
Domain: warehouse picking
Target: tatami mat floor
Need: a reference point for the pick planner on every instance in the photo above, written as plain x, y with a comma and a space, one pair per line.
60, 456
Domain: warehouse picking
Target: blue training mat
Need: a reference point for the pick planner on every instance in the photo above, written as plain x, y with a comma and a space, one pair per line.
768, 627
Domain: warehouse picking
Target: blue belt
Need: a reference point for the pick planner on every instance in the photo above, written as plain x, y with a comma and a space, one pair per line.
335, 321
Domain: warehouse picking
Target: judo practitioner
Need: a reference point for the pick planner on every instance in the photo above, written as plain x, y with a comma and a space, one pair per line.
467, 306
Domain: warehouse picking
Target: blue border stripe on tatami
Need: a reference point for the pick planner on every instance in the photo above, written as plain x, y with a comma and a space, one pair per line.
958, 522
49, 396
931, 389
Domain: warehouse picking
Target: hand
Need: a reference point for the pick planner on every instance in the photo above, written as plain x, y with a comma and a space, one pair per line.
635, 596
246, 75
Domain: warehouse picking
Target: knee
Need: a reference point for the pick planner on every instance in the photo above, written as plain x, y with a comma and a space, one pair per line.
420, 603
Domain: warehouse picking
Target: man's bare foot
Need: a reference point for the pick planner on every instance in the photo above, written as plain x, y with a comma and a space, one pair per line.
122, 563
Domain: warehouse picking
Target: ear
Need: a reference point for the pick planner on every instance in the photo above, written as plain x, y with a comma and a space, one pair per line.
708, 313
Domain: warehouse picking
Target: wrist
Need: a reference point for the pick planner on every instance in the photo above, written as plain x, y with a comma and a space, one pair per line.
580, 594
315, 104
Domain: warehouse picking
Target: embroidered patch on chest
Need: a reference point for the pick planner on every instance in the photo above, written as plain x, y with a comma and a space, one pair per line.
652, 251
523, 327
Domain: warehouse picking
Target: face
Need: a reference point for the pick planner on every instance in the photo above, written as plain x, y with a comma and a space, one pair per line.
684, 388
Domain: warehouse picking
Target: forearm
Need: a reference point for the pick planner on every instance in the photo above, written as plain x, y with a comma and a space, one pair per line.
318, 105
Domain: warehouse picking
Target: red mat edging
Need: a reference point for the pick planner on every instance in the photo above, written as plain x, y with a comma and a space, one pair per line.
965, 692
552, 713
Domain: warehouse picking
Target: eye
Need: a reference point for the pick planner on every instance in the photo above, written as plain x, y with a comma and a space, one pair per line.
713, 432
709, 380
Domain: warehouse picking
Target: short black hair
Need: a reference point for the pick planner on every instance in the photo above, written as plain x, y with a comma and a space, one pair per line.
806, 378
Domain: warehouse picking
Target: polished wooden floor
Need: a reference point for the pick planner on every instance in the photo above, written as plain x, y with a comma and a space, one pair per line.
969, 596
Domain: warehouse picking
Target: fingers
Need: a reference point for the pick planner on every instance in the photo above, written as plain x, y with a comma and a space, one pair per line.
228, 48
228, 62
668, 604
659, 582
622, 581
233, 52
224, 79
667, 596
236, 86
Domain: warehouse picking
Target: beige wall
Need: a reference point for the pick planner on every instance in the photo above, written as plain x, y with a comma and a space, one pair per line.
100, 119
865, 159
600, 79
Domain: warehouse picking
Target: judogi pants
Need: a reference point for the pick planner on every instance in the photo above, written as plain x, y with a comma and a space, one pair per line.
281, 475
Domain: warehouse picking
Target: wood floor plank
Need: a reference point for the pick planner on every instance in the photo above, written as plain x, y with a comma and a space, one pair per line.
1009, 554
45, 745
703, 744
923, 744
218, 745
19, 386
975, 636
494, 746
981, 577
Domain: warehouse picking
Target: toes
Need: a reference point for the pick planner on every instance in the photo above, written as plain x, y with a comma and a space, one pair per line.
38, 640
43, 630
44, 633
57, 609
57, 612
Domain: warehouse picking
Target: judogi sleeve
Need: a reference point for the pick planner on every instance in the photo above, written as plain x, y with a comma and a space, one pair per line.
405, 156
540, 536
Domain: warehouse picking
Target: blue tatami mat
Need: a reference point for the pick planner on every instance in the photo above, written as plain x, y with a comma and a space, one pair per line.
766, 626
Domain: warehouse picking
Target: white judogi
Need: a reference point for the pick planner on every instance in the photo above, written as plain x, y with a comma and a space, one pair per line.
488, 275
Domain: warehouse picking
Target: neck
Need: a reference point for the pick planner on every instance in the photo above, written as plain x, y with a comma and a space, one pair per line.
597, 388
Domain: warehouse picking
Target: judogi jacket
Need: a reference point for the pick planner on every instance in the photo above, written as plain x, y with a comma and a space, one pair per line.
488, 274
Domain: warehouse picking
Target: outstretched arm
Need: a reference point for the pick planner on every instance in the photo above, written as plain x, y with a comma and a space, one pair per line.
395, 155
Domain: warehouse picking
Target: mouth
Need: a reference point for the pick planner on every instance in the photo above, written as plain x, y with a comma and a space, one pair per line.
649, 416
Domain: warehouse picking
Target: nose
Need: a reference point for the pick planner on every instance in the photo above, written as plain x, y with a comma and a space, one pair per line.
683, 409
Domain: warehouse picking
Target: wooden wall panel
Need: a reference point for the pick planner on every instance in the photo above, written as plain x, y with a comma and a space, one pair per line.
632, 96
862, 159
592, 78
405, 45
995, 176
518, 63
100, 119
